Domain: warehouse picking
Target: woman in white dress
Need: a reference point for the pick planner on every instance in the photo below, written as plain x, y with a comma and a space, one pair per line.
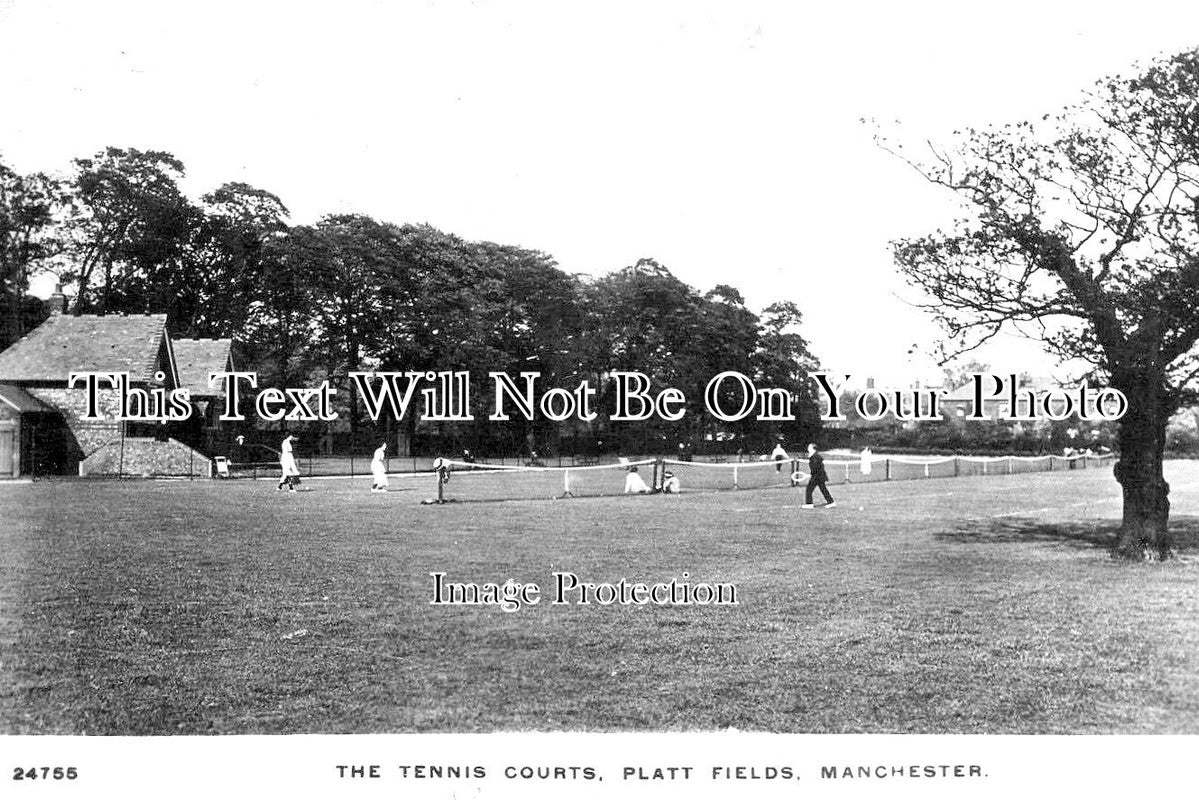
379, 469
287, 463
634, 484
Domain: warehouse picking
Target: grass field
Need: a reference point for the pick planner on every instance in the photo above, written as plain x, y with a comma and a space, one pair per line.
967, 605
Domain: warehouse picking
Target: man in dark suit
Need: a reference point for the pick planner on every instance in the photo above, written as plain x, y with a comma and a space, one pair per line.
817, 479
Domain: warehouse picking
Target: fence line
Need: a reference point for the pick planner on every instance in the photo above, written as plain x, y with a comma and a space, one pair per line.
891, 468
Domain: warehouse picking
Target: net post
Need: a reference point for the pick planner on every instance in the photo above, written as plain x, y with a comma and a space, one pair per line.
887, 463
441, 472
957, 466
926, 469
736, 485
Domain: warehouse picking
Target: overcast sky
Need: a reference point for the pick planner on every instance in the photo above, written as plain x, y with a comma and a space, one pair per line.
722, 139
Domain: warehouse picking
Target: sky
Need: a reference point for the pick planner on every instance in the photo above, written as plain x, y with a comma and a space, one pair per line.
725, 140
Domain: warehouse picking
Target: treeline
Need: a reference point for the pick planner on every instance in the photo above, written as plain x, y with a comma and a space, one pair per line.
310, 302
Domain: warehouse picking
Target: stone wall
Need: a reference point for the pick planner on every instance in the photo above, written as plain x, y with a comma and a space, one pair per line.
90, 435
146, 457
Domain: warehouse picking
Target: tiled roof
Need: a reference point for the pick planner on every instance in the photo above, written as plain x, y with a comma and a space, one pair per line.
21, 400
196, 359
87, 343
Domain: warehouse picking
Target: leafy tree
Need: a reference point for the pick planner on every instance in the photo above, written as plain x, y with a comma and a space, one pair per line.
526, 311
358, 277
280, 329
958, 374
28, 204
128, 230
1082, 230
784, 360
482, 307
642, 318
222, 273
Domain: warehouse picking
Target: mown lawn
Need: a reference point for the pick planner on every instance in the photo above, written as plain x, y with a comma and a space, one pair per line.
969, 605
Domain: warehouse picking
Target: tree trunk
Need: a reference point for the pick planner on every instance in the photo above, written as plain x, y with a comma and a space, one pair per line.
1144, 533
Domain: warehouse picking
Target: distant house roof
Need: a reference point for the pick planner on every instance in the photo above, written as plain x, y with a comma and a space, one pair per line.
63, 344
22, 401
965, 392
199, 358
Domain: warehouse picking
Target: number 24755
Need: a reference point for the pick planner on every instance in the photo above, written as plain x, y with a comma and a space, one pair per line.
44, 773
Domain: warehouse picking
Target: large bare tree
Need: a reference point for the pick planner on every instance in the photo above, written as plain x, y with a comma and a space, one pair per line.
1082, 229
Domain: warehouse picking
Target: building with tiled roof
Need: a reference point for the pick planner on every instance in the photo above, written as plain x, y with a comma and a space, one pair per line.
197, 359
42, 425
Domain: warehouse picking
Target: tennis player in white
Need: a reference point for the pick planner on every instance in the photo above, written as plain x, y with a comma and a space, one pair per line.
379, 469
287, 463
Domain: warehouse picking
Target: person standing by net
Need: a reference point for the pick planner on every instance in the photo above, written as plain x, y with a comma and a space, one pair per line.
818, 479
779, 455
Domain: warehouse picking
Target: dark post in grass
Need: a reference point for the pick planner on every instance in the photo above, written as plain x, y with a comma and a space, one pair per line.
442, 469
121, 459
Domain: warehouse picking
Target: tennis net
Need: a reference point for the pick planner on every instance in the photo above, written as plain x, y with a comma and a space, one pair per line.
470, 481
702, 476
892, 468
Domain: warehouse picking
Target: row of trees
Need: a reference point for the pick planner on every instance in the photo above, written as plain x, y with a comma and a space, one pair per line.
314, 302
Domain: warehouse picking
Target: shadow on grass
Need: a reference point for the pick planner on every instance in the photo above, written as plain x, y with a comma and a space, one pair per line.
1086, 535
